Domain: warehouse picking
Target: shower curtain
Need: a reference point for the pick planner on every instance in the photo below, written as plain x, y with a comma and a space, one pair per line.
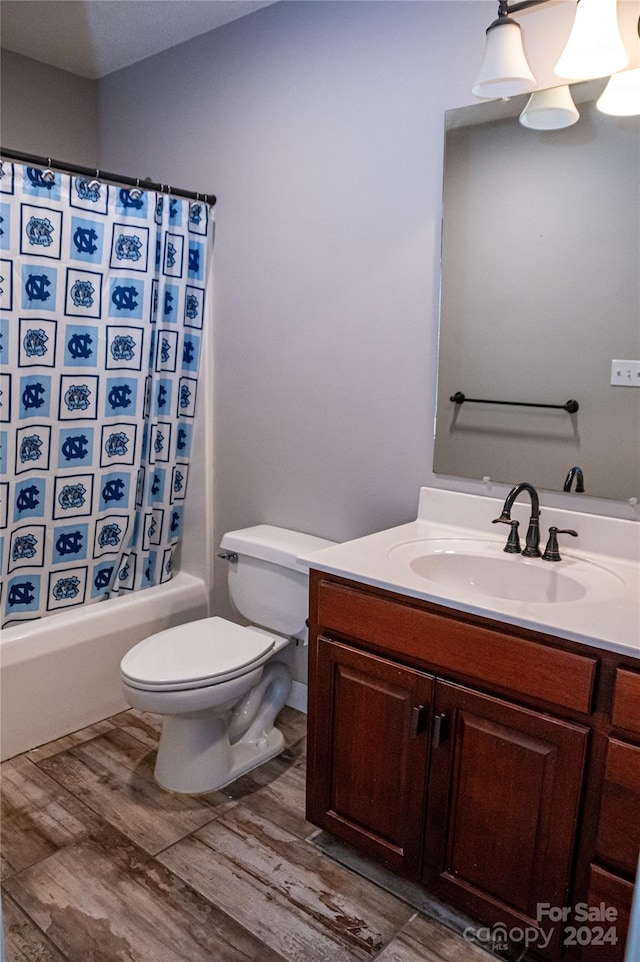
102, 304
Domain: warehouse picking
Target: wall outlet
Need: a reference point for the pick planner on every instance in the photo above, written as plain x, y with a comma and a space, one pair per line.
625, 373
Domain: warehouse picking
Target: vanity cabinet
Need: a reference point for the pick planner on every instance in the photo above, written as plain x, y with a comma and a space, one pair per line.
479, 759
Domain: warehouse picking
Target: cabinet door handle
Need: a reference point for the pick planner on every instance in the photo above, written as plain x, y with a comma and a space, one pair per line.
440, 730
417, 721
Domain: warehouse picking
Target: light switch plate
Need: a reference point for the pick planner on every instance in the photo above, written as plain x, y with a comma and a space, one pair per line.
625, 373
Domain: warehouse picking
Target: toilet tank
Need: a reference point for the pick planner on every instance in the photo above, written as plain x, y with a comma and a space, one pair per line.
266, 585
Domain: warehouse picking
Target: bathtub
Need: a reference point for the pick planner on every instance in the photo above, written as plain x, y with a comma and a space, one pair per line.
61, 673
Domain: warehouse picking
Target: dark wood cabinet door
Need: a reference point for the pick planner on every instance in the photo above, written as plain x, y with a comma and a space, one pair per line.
504, 793
367, 777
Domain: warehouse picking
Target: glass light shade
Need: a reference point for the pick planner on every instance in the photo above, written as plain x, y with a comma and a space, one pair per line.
550, 109
621, 96
504, 71
595, 47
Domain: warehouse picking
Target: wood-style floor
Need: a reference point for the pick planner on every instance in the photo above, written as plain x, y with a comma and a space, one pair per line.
101, 865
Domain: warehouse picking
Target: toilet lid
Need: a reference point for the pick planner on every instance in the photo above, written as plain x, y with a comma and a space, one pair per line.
194, 655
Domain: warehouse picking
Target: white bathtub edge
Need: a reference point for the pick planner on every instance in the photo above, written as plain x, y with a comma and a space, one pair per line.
60, 674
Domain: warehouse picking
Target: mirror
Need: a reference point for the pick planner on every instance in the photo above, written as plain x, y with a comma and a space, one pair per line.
540, 293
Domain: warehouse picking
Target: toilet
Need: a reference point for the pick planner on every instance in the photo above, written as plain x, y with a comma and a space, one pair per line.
219, 686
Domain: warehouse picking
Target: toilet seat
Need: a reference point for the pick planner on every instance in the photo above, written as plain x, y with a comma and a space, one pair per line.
195, 655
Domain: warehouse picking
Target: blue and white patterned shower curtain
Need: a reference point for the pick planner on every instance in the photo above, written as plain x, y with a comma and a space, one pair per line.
102, 303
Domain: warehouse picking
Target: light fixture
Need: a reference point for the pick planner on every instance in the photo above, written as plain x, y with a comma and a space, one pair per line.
550, 109
504, 71
594, 49
621, 96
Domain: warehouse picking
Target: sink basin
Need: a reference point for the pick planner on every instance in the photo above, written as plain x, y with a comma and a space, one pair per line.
462, 566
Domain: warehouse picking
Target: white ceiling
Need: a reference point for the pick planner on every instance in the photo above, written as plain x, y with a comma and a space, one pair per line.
92, 38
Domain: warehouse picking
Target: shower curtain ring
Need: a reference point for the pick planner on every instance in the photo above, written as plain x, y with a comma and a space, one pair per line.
136, 192
95, 183
48, 175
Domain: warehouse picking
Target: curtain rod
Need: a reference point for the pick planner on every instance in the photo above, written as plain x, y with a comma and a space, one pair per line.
48, 163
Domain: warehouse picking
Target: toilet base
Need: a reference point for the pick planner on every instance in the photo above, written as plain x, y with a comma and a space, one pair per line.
207, 748
216, 765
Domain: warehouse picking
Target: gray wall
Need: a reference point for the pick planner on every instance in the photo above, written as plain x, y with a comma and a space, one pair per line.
47, 111
320, 128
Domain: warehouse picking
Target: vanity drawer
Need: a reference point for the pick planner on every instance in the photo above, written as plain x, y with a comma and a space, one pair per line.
521, 666
618, 842
616, 894
626, 701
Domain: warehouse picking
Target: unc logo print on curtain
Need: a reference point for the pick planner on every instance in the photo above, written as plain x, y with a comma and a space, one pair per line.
102, 306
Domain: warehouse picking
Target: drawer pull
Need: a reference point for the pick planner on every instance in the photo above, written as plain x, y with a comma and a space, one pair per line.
440, 730
417, 721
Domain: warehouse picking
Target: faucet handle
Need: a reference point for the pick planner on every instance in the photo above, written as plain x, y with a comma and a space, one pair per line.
551, 552
513, 541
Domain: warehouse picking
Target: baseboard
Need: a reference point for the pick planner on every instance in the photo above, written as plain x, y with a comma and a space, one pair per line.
298, 697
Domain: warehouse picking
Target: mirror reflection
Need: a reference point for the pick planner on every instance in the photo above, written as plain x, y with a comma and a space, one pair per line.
540, 299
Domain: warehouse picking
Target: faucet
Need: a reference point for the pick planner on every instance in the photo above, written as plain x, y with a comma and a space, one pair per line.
532, 549
578, 475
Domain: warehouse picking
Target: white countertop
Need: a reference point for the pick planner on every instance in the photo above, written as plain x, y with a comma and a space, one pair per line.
610, 622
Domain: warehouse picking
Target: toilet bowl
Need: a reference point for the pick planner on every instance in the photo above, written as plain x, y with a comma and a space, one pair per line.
220, 686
